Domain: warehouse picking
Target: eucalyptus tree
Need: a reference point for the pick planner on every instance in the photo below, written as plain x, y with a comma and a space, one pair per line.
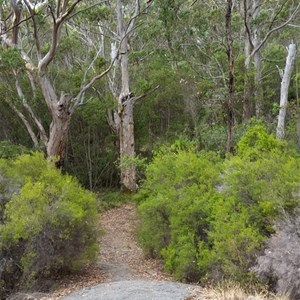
121, 28
34, 31
261, 19
285, 83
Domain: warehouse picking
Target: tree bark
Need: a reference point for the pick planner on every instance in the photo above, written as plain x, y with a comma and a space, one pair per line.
125, 111
248, 84
285, 82
258, 91
61, 112
230, 98
57, 138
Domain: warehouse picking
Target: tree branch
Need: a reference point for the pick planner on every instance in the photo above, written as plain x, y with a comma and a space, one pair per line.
276, 15
35, 31
16, 20
78, 98
37, 122
57, 25
137, 13
246, 9
273, 30
26, 123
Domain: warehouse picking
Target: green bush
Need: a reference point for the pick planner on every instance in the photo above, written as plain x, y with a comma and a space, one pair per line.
260, 184
48, 223
256, 143
209, 218
176, 202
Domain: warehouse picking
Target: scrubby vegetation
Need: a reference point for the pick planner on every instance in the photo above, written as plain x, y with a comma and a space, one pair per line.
209, 218
47, 224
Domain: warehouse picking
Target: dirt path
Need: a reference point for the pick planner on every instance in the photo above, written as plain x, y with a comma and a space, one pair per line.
121, 260
120, 255
128, 274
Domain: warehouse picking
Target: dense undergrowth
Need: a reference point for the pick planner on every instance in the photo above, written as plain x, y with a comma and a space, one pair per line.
210, 218
207, 217
47, 224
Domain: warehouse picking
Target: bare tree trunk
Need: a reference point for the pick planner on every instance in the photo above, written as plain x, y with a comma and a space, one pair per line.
230, 98
125, 111
258, 92
285, 82
57, 139
248, 84
61, 112
127, 152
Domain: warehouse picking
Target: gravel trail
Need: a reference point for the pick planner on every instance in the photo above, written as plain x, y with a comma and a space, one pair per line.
134, 290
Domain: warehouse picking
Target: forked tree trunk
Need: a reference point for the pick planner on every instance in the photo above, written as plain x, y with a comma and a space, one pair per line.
285, 82
60, 108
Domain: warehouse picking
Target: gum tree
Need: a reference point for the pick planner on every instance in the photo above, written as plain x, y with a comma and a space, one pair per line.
35, 31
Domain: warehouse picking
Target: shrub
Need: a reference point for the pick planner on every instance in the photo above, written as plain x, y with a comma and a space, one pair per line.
176, 200
48, 223
260, 184
207, 218
256, 143
279, 265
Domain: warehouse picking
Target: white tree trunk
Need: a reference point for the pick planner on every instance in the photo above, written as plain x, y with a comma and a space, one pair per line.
258, 92
247, 97
285, 82
125, 111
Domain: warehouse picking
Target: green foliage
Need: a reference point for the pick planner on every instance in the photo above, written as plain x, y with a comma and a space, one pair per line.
213, 138
50, 220
111, 199
175, 205
9, 150
257, 142
92, 152
138, 162
11, 58
95, 12
161, 116
208, 218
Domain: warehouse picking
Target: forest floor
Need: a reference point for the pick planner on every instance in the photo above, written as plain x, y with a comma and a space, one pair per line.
123, 272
